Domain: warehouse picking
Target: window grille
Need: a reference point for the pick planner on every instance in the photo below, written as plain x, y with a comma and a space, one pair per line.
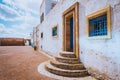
98, 26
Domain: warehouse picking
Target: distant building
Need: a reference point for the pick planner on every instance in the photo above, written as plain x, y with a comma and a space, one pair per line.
35, 36
12, 42
27, 42
89, 28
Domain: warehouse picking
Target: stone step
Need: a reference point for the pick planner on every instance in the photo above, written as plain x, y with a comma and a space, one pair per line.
67, 54
57, 64
66, 73
67, 60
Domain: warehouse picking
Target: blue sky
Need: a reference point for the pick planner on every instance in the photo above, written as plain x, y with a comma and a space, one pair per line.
18, 17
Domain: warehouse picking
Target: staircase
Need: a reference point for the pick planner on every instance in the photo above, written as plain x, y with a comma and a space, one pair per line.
66, 65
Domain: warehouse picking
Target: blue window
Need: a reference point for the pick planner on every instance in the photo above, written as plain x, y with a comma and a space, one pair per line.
54, 31
42, 35
98, 26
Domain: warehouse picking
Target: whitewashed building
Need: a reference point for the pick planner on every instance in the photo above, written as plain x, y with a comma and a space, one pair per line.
34, 36
89, 28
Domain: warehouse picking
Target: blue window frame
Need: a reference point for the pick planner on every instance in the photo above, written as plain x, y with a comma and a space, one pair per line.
54, 31
98, 26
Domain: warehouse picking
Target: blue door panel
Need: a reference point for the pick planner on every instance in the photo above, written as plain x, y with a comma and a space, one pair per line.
71, 33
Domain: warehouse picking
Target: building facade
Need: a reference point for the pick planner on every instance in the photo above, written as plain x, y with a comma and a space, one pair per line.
12, 42
35, 36
89, 28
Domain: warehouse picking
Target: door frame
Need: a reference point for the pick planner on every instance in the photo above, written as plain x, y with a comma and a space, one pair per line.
74, 9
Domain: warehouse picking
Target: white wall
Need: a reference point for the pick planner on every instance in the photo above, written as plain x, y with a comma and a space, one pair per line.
48, 5
42, 9
99, 56
34, 36
50, 44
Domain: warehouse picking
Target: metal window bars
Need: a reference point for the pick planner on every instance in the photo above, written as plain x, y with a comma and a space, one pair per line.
98, 26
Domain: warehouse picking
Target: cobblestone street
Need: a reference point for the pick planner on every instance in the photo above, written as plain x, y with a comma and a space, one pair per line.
20, 63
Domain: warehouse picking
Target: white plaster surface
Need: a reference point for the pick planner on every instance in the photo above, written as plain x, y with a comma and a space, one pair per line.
101, 55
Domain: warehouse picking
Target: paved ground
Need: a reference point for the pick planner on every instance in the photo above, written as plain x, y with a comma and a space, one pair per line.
20, 63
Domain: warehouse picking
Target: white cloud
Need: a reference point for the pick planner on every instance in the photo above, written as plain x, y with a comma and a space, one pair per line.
7, 13
12, 32
25, 11
2, 27
27, 5
14, 10
28, 23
